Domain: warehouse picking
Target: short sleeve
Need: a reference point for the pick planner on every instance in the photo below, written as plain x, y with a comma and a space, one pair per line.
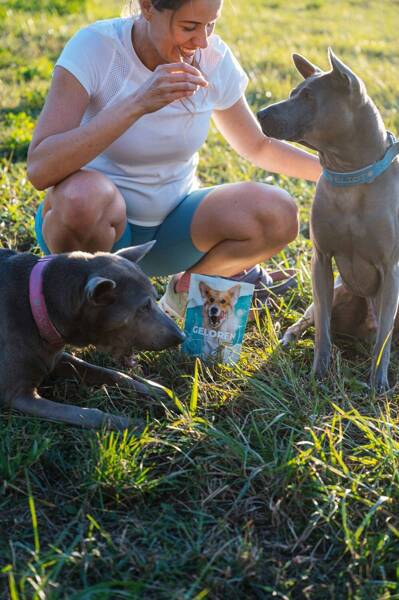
230, 81
88, 56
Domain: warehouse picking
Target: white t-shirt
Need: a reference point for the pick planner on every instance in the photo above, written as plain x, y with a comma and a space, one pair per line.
152, 163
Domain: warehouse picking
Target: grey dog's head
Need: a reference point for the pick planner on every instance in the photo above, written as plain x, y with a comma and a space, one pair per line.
112, 304
320, 110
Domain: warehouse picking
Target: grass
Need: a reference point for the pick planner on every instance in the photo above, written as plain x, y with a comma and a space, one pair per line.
255, 481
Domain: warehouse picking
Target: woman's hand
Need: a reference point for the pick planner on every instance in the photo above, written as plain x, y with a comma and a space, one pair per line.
61, 145
240, 128
168, 82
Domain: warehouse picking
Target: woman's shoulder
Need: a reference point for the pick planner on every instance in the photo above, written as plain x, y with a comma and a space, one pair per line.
107, 31
217, 58
216, 49
214, 55
110, 28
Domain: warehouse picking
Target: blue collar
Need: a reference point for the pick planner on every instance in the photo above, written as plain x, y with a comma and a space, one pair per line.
367, 174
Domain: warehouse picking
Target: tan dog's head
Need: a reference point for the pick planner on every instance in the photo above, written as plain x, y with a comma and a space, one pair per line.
218, 305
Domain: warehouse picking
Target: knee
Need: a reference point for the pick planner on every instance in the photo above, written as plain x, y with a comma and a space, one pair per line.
279, 218
84, 200
287, 217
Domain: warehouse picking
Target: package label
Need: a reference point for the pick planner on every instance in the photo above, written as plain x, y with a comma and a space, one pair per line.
216, 316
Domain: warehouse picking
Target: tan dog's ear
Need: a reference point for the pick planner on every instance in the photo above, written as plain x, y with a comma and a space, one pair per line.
203, 288
305, 67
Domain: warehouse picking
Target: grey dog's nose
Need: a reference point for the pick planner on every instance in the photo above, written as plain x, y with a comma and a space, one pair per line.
178, 335
181, 336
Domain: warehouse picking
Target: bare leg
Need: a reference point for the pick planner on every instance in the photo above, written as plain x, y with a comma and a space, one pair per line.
84, 212
90, 418
241, 224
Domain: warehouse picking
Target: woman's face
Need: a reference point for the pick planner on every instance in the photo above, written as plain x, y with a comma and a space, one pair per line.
176, 35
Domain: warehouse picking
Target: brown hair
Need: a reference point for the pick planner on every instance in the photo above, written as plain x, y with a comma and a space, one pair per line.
168, 4
158, 5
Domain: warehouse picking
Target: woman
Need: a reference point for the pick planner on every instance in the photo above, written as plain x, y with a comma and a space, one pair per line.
116, 144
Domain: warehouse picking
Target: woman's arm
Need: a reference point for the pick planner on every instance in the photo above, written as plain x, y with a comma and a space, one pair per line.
240, 128
61, 146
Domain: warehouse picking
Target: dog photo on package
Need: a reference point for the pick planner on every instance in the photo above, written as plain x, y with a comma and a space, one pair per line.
217, 313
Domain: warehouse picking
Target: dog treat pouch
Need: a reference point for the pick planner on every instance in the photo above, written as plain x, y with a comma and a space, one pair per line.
216, 316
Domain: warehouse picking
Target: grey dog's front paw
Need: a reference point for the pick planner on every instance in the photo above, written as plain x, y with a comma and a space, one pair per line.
379, 384
320, 366
120, 423
116, 422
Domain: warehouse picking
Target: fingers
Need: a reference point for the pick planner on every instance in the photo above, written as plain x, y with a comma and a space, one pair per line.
184, 72
168, 83
184, 86
183, 77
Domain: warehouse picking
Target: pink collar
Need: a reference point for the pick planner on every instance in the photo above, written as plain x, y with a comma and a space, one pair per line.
47, 330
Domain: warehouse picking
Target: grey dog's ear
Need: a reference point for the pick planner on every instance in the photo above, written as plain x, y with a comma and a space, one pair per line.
100, 291
305, 67
341, 71
136, 253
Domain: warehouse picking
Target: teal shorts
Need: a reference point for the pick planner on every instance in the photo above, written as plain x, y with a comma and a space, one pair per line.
174, 250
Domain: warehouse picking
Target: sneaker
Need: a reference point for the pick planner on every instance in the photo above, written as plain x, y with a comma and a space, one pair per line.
268, 284
173, 303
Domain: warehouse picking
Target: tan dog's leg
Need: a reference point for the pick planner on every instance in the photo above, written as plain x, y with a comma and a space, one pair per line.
296, 330
343, 303
387, 305
323, 284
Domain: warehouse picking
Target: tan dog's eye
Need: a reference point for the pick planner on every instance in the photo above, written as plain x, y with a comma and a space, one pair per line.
223, 301
211, 299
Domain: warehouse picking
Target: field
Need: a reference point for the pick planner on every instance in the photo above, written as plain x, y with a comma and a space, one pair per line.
250, 482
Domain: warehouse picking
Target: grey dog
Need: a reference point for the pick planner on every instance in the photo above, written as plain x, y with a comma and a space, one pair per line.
102, 300
353, 220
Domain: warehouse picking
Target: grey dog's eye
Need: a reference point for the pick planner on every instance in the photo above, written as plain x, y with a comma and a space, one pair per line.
307, 94
146, 306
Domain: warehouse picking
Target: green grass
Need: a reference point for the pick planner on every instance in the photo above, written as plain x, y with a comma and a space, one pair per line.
255, 482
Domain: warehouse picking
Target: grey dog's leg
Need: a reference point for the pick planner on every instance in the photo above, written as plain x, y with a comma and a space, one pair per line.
71, 366
90, 418
322, 282
387, 305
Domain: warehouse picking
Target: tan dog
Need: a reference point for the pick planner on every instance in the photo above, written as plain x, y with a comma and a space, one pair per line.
350, 316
